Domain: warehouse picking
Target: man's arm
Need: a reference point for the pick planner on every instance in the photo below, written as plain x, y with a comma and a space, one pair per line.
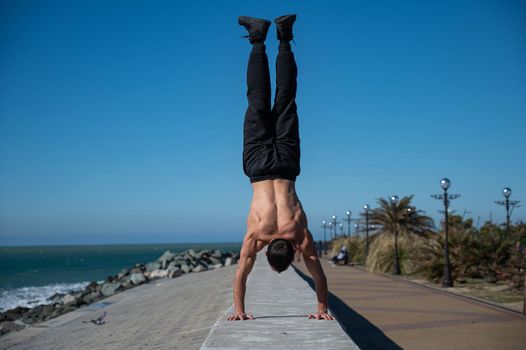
246, 262
314, 266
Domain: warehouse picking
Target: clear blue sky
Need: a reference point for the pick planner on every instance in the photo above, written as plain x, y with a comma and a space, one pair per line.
121, 121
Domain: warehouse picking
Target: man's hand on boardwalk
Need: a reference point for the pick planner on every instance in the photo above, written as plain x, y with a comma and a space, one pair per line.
321, 316
241, 316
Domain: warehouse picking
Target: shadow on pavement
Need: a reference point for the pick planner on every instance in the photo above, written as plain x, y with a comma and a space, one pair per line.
365, 334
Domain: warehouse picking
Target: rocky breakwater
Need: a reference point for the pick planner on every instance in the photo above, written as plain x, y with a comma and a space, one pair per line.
168, 265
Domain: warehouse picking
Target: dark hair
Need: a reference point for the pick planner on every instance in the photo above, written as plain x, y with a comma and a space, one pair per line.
280, 254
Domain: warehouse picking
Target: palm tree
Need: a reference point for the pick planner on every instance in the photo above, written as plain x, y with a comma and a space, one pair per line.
399, 216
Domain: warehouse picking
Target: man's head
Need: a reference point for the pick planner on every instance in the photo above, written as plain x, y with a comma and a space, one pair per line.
280, 254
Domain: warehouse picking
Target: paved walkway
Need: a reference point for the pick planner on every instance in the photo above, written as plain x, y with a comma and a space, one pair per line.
165, 314
280, 304
385, 313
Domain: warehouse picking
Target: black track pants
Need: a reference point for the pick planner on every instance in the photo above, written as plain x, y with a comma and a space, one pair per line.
271, 143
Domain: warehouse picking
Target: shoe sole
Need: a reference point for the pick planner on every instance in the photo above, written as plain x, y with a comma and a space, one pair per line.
252, 19
284, 18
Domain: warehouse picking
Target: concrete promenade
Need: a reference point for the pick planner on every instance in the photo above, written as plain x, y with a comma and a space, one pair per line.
280, 304
164, 314
189, 312
385, 313
180, 313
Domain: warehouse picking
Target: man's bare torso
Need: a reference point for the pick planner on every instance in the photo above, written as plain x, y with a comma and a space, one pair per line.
276, 212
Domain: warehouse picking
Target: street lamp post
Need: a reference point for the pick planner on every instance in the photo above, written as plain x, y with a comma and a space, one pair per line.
507, 203
396, 265
341, 230
447, 280
348, 213
366, 208
334, 222
324, 225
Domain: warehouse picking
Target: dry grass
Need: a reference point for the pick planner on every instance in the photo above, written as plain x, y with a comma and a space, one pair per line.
381, 253
355, 247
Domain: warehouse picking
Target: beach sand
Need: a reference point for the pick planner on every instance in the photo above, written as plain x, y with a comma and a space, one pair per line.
164, 314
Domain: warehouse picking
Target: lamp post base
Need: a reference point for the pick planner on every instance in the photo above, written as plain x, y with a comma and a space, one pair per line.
447, 280
396, 269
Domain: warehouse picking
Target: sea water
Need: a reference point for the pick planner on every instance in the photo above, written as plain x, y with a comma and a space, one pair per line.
30, 275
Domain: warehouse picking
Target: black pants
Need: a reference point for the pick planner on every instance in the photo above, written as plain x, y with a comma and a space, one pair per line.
271, 143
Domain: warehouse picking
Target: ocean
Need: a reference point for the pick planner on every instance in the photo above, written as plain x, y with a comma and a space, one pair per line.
30, 275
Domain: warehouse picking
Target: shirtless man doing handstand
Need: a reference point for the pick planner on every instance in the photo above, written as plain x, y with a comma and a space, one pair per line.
271, 159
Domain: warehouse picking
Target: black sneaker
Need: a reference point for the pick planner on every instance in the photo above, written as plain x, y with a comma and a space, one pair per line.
257, 28
284, 27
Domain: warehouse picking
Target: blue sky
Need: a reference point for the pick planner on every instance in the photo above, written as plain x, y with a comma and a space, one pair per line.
121, 121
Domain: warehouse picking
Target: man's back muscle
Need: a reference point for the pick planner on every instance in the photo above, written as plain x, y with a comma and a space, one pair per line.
276, 211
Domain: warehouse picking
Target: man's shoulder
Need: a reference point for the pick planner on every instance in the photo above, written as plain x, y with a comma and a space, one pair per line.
252, 244
305, 241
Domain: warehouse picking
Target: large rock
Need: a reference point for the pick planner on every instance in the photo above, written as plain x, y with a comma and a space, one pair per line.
191, 254
32, 315
69, 307
136, 270
13, 314
166, 258
138, 266
47, 312
56, 298
179, 260
156, 274
215, 261
38, 313
10, 326
137, 278
126, 282
90, 298
217, 254
203, 253
199, 268
93, 286
174, 272
124, 272
70, 299
128, 285
59, 310
228, 261
185, 268
109, 289
203, 263
151, 266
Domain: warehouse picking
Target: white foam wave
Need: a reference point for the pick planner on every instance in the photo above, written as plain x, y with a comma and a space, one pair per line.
33, 296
